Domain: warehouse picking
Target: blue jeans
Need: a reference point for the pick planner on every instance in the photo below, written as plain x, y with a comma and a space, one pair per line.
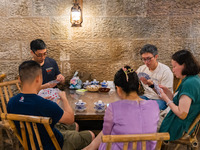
161, 103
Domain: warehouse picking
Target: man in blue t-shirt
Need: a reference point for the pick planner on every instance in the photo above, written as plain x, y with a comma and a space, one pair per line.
29, 103
50, 70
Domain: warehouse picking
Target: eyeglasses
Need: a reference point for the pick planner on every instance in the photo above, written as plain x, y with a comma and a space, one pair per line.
148, 59
41, 54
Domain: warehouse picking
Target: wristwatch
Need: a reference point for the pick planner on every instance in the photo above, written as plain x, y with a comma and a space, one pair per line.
151, 86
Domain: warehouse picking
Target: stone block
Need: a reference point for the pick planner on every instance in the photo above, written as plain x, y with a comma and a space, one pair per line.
24, 28
20, 7
3, 8
180, 27
10, 50
179, 44
158, 7
60, 28
26, 50
52, 7
147, 27
109, 27
79, 50
135, 8
114, 8
185, 8
195, 28
93, 8
10, 68
196, 49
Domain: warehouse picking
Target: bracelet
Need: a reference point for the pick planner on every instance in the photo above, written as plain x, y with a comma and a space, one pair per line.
169, 103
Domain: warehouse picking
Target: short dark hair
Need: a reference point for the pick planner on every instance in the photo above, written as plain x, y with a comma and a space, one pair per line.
148, 48
185, 57
29, 70
37, 44
131, 85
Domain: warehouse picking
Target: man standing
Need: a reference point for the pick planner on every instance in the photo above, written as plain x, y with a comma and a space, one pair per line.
50, 70
158, 72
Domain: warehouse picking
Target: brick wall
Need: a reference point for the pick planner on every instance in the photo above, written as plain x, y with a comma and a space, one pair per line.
112, 33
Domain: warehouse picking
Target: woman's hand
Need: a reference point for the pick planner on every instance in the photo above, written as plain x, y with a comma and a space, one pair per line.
166, 91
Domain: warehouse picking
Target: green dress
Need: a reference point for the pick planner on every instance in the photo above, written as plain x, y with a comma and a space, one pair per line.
190, 86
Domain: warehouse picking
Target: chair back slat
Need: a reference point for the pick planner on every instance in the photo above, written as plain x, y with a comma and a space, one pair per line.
37, 135
134, 138
12, 125
134, 145
5, 90
52, 136
30, 134
125, 147
108, 147
143, 145
23, 133
195, 123
3, 102
28, 121
158, 145
18, 87
10, 91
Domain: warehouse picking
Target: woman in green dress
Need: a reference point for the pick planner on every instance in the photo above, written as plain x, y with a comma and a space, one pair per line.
185, 103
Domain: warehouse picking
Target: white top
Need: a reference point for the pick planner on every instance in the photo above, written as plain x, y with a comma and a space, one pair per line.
161, 75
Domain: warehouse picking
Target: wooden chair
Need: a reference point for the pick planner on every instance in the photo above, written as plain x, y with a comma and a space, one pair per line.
189, 138
134, 138
26, 124
2, 77
7, 90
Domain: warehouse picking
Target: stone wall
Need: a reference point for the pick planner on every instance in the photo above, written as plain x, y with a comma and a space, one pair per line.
112, 33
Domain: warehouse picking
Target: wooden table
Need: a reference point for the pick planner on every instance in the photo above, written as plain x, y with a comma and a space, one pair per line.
90, 98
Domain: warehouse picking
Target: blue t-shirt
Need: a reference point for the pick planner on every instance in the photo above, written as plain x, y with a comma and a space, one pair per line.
49, 70
32, 104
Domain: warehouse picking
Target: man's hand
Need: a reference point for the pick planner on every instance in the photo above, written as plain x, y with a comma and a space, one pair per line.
145, 81
60, 78
62, 95
48, 85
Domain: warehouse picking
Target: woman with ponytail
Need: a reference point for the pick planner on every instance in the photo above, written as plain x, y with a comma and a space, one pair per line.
130, 115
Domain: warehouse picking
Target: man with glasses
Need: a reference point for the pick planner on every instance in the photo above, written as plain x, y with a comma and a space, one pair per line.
158, 72
50, 70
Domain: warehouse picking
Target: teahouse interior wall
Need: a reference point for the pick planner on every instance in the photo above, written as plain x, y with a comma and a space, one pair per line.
112, 33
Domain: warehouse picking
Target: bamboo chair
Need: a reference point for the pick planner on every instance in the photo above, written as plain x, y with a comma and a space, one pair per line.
26, 122
7, 90
189, 138
2, 77
134, 138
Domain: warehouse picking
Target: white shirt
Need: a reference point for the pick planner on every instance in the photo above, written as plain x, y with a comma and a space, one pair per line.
161, 75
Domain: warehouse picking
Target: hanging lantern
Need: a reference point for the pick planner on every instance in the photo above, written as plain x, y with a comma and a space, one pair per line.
76, 17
